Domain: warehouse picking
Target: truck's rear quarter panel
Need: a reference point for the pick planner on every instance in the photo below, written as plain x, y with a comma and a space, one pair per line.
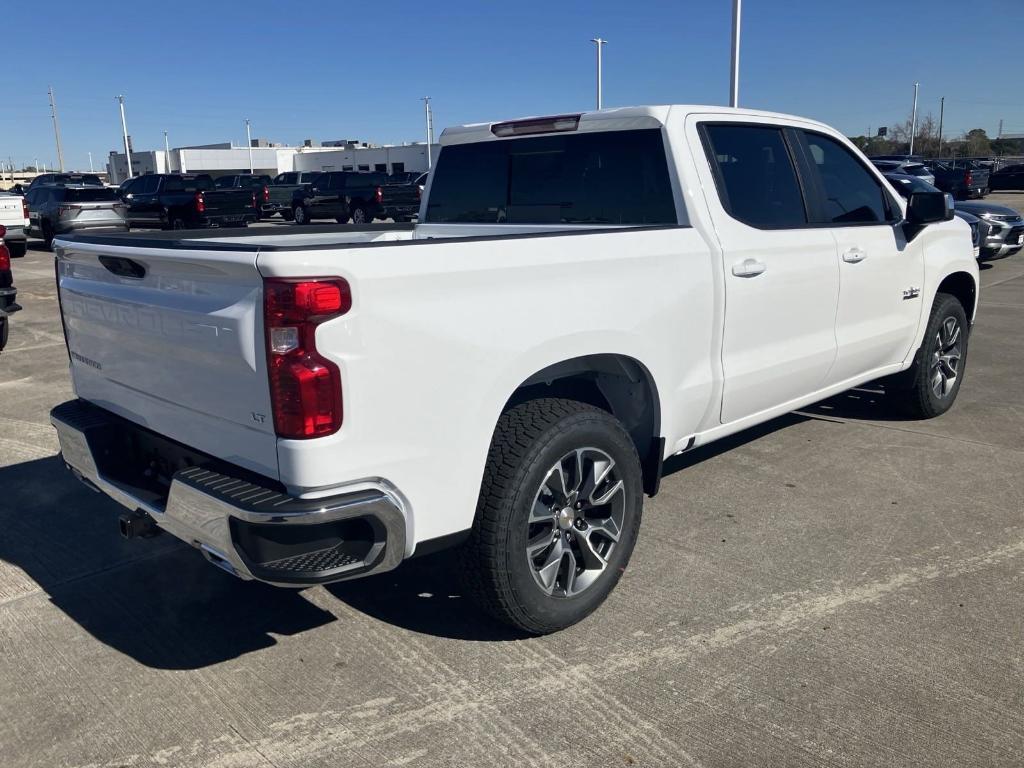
442, 332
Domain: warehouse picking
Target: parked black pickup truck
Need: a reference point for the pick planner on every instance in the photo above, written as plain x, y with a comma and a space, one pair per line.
340, 195
963, 179
401, 200
185, 201
259, 184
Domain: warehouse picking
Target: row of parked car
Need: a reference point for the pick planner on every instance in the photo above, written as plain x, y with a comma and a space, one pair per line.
997, 230
55, 204
963, 178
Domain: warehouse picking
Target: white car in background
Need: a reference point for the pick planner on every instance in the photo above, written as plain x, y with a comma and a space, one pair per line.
14, 216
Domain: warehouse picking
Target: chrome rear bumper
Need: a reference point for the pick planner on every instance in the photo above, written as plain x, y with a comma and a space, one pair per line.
252, 530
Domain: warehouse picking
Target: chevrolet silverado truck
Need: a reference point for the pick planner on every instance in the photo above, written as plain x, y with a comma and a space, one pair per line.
508, 375
283, 188
185, 201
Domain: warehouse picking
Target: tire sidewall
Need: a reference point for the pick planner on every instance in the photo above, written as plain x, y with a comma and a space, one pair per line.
945, 306
577, 431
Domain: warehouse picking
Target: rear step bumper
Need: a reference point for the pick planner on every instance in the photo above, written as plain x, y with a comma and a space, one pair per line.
249, 529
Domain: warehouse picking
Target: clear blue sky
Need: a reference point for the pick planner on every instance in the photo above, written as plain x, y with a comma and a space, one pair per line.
328, 70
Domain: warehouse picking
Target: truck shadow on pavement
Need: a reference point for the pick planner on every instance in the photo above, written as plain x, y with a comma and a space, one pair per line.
157, 601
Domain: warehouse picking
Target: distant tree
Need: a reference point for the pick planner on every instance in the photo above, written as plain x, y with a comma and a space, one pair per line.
977, 143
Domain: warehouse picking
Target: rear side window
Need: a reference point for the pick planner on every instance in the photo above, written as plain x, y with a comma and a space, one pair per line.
757, 182
91, 195
603, 178
852, 194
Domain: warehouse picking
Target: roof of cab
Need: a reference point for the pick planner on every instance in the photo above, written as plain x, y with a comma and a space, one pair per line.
617, 119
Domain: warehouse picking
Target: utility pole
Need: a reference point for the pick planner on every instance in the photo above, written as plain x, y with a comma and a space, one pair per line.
90, 163
248, 139
56, 131
167, 154
942, 114
600, 44
124, 131
913, 120
428, 117
734, 77
1000, 129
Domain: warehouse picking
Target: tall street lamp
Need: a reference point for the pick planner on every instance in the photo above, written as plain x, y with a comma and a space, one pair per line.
599, 43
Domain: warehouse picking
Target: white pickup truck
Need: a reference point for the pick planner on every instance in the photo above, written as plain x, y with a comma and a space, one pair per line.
584, 296
14, 217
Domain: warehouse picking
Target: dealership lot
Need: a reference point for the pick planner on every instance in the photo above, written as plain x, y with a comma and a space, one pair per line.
837, 587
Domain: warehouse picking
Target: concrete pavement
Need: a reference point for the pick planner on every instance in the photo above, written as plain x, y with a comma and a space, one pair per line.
837, 588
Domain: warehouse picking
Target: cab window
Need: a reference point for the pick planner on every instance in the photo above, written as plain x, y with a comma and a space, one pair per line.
852, 194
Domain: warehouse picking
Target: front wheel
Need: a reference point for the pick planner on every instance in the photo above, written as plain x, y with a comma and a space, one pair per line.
939, 368
300, 214
557, 517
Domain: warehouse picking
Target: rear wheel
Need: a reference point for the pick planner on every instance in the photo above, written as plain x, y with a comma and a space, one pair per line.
360, 215
17, 249
178, 223
47, 230
558, 515
938, 370
300, 214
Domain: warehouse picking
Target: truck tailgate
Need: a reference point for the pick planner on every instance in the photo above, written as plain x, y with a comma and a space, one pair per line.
172, 339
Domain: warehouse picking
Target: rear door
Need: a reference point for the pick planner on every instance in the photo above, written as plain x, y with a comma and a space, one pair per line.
142, 201
880, 273
172, 338
781, 277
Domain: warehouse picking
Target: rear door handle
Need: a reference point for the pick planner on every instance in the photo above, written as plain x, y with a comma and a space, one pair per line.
854, 255
749, 268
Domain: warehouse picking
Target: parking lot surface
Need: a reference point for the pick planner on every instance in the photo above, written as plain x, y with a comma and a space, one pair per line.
838, 587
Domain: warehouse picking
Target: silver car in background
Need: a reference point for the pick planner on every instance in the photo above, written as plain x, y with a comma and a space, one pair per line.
57, 209
1005, 227
907, 168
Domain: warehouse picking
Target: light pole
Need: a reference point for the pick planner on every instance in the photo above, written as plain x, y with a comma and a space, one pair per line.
124, 131
248, 140
56, 131
600, 44
942, 113
428, 118
734, 77
913, 120
90, 163
167, 154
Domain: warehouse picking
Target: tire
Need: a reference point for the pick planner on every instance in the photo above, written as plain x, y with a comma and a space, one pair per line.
288, 215
522, 508
178, 223
359, 215
941, 362
47, 236
18, 250
300, 215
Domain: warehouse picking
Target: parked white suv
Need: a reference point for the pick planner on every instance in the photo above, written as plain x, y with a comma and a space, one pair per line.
585, 296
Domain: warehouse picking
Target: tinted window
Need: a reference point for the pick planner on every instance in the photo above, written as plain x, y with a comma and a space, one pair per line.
757, 181
91, 195
287, 178
582, 178
852, 194
916, 170
224, 182
188, 184
145, 185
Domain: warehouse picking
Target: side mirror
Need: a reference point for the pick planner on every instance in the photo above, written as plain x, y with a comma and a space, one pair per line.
928, 208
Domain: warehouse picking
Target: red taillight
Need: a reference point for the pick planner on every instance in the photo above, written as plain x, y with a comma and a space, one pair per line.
305, 388
378, 195
24, 208
200, 203
266, 194
968, 178
254, 200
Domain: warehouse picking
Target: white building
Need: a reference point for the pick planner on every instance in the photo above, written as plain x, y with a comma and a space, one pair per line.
224, 159
214, 159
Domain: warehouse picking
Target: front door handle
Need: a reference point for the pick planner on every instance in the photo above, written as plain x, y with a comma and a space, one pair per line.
749, 268
854, 255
